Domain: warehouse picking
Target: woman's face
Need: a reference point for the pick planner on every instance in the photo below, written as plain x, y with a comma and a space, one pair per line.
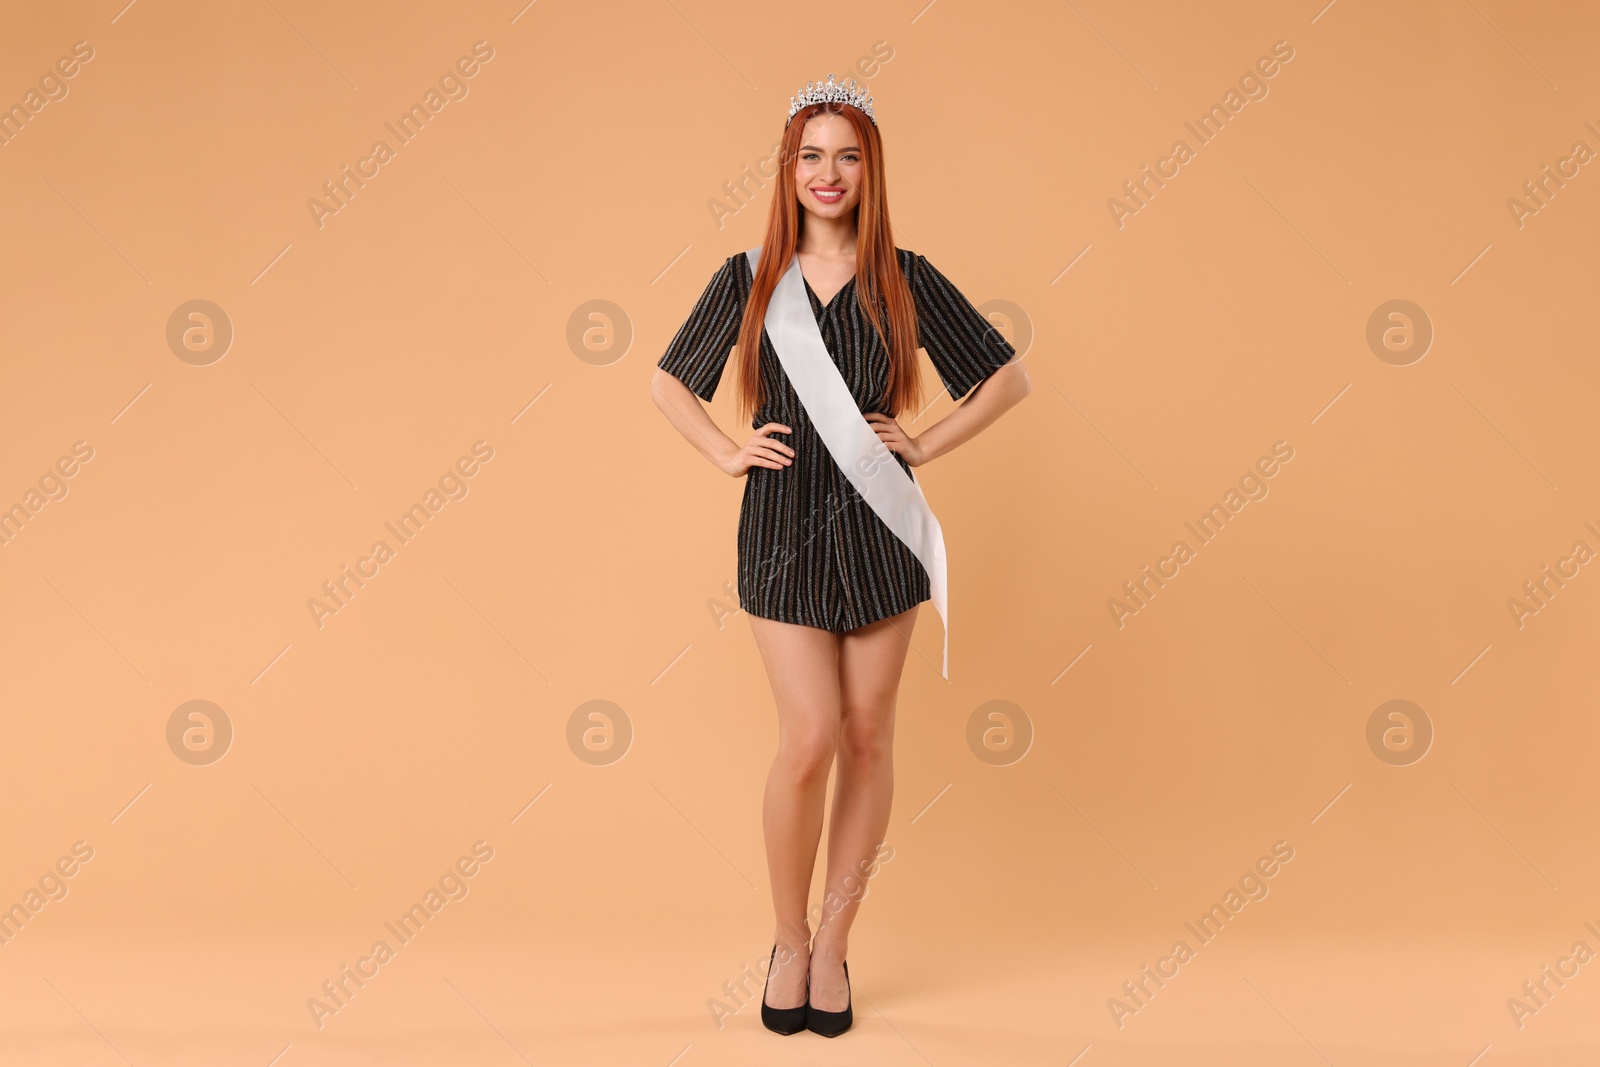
827, 170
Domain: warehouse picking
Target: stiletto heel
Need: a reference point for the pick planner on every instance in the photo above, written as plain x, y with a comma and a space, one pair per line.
782, 1020
829, 1023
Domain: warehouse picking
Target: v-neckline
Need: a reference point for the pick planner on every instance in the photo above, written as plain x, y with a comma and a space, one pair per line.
837, 293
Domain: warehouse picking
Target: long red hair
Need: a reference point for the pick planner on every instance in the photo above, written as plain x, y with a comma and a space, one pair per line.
878, 274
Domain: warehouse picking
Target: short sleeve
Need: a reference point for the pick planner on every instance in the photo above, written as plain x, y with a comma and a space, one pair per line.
700, 349
965, 347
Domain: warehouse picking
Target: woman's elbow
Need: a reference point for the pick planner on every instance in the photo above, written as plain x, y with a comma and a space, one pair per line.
1021, 384
660, 382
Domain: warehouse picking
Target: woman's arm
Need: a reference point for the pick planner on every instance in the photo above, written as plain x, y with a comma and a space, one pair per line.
684, 410
992, 397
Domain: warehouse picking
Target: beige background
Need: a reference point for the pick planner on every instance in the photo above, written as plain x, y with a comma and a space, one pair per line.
587, 558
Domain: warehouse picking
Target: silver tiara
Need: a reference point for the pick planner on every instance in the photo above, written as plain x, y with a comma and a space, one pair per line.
832, 92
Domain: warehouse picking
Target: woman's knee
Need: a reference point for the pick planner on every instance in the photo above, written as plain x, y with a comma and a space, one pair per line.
866, 736
807, 753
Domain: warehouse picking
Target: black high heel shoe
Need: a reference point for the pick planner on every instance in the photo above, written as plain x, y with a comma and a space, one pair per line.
782, 1020
829, 1023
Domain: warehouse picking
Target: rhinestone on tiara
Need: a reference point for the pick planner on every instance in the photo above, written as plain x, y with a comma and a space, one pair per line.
831, 92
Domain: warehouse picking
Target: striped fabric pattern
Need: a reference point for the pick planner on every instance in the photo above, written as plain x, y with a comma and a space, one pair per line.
811, 550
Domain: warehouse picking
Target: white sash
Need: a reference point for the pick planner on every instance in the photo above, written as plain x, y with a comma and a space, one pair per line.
851, 441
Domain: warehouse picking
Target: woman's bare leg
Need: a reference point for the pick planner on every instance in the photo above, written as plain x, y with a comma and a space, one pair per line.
803, 665
870, 661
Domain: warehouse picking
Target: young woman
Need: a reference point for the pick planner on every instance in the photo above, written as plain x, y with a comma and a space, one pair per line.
831, 593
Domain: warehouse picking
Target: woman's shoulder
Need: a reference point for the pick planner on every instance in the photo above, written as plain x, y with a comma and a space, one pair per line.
734, 271
912, 265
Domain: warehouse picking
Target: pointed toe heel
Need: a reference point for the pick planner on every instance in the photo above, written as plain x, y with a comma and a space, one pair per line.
782, 1020
829, 1023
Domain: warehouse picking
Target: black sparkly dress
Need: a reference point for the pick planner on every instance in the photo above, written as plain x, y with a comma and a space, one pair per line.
811, 550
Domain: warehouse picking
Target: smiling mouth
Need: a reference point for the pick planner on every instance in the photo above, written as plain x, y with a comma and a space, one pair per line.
828, 196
